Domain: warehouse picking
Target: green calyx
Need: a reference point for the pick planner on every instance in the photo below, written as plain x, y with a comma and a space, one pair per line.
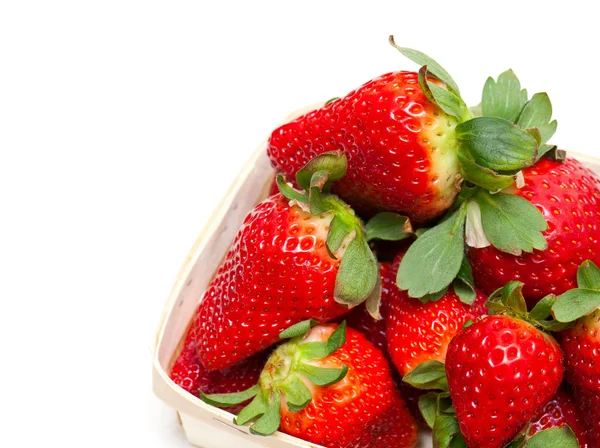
581, 301
347, 237
287, 375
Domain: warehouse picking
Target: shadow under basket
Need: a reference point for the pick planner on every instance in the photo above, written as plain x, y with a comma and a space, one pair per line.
206, 426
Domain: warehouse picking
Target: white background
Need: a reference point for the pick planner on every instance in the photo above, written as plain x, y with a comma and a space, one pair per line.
122, 123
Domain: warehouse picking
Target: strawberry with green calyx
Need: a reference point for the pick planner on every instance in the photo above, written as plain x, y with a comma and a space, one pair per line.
298, 255
581, 342
327, 385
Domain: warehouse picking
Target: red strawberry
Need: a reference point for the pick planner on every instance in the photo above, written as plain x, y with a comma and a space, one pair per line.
329, 387
285, 265
191, 375
568, 195
400, 147
501, 372
560, 411
418, 332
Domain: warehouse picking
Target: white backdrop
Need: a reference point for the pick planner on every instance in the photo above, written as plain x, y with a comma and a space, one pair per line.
122, 123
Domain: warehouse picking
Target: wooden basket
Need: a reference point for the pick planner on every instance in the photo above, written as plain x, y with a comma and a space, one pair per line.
204, 425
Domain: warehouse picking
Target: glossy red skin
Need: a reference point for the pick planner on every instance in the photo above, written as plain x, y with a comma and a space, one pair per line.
561, 410
364, 410
501, 372
581, 344
418, 332
568, 195
190, 374
381, 128
277, 273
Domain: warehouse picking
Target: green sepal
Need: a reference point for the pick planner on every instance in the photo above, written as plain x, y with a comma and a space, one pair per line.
537, 135
434, 259
288, 191
322, 376
231, 399
557, 437
428, 375
297, 395
553, 153
339, 229
268, 423
433, 297
299, 329
357, 274
575, 303
444, 430
322, 349
446, 100
543, 309
422, 59
467, 324
458, 441
511, 223
373, 302
503, 98
255, 409
331, 100
509, 298
481, 176
464, 284
336, 339
428, 404
538, 113
497, 143
388, 226
588, 275
329, 167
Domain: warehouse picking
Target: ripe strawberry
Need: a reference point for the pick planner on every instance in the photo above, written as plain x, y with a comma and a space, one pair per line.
400, 146
330, 387
418, 332
190, 374
286, 265
501, 372
560, 411
568, 195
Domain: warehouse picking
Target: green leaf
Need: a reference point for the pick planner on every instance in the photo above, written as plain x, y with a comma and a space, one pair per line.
256, 408
464, 285
290, 192
543, 309
434, 259
322, 376
481, 176
428, 375
512, 224
336, 339
444, 430
269, 422
297, 395
388, 226
232, 399
334, 163
357, 275
504, 98
497, 143
575, 303
538, 113
299, 329
588, 275
557, 437
433, 67
428, 407
458, 441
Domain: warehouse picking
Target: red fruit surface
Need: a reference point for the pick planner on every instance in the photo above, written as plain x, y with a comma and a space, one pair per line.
418, 332
273, 189
363, 410
277, 273
568, 194
561, 411
191, 375
581, 344
401, 148
501, 372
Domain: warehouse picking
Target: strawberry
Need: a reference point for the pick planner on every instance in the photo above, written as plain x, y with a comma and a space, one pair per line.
418, 332
502, 370
560, 411
189, 373
568, 195
581, 343
329, 386
294, 258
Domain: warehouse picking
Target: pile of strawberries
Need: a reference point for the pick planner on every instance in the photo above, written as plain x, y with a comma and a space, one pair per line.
418, 264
